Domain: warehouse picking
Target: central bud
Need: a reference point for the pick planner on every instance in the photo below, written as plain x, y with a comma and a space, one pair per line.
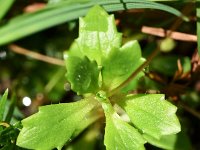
101, 96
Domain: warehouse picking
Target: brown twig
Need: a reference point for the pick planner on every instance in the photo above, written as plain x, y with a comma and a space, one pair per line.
171, 34
44, 58
176, 24
34, 7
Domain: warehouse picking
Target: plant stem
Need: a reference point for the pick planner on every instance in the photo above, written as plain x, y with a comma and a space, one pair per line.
155, 52
127, 81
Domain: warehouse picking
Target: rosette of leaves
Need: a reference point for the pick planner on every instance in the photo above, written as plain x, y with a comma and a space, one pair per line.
97, 63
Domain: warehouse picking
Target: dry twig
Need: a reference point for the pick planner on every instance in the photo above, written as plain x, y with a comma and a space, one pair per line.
171, 34
44, 58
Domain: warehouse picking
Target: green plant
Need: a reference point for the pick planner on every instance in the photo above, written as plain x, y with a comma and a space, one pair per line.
98, 68
8, 132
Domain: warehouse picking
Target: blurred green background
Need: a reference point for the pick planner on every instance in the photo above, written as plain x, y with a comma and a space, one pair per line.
175, 71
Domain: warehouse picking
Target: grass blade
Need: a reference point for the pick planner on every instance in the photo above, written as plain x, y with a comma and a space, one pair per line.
3, 105
59, 13
4, 7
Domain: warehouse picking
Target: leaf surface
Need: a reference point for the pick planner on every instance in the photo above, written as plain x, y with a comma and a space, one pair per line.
83, 74
53, 125
134, 83
120, 64
97, 35
119, 134
170, 142
152, 114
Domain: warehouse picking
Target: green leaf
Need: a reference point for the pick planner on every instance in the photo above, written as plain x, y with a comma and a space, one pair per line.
91, 118
83, 74
100, 41
53, 125
170, 142
120, 64
134, 83
11, 110
118, 133
4, 7
98, 34
64, 11
166, 142
152, 114
3, 105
